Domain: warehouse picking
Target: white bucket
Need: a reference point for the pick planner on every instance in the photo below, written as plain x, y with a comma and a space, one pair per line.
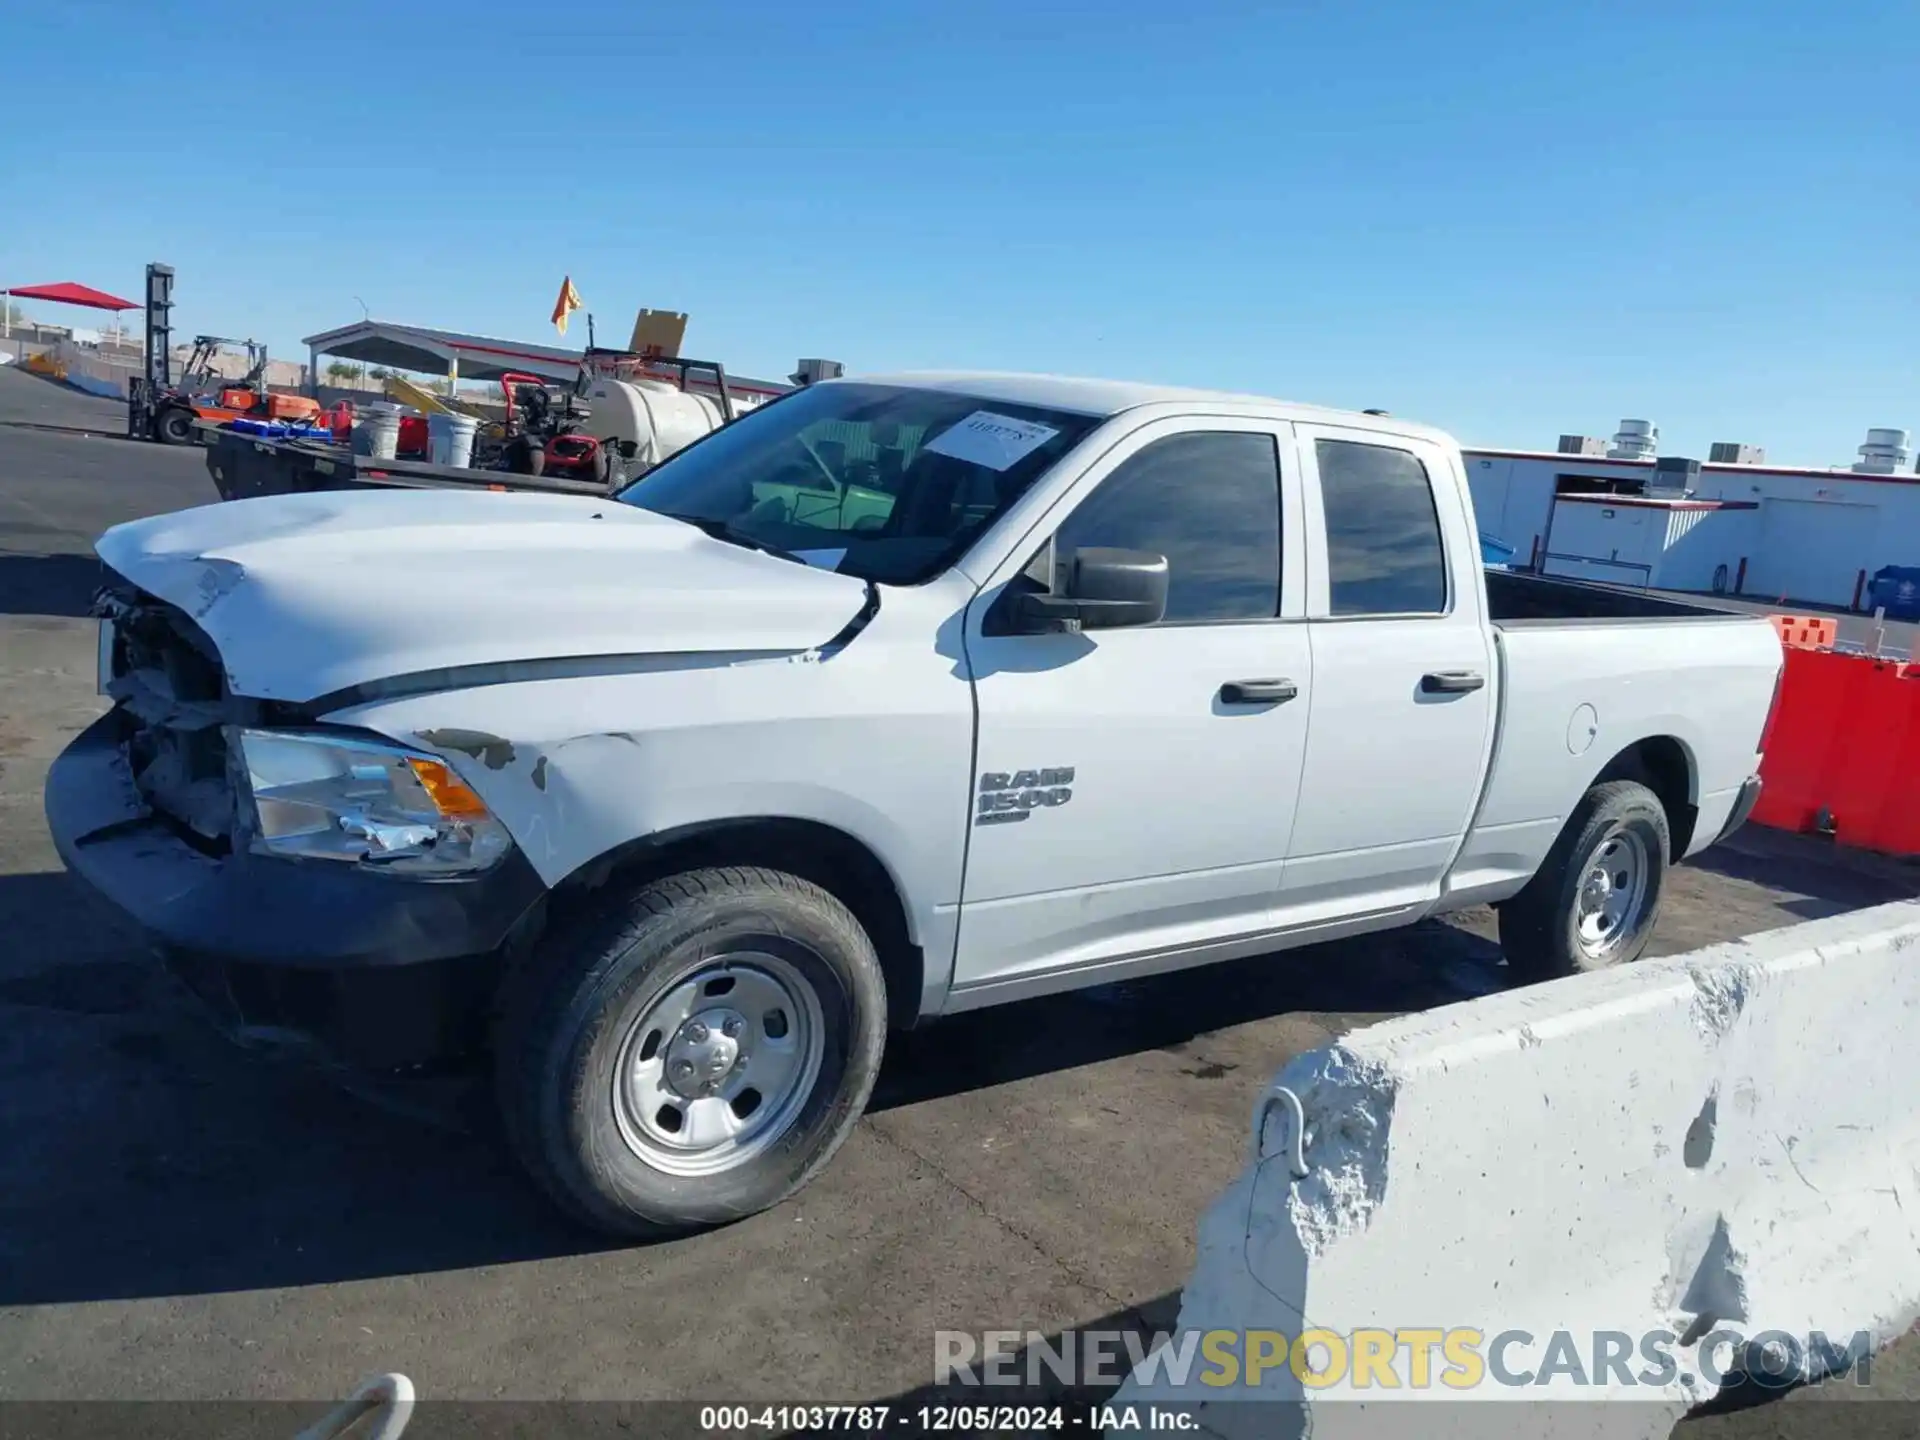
380, 427
450, 439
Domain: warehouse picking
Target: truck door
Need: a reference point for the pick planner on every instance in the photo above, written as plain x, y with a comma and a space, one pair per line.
1400, 723
1134, 788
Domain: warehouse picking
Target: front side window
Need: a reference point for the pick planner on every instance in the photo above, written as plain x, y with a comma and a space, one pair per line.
1384, 555
889, 483
1210, 503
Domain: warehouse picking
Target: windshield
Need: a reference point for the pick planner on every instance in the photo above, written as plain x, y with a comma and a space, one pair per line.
883, 482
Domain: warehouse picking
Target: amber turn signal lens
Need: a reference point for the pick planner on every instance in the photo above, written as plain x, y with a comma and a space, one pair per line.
449, 793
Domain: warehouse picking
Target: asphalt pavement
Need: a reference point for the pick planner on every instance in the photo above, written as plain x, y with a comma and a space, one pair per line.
27, 399
182, 1220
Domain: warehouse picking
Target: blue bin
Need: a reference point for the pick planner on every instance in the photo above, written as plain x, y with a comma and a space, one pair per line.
1896, 589
1494, 552
280, 429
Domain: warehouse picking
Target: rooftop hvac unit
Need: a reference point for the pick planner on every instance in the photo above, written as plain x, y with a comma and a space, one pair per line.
1884, 453
1635, 440
1582, 445
1673, 475
1731, 452
809, 371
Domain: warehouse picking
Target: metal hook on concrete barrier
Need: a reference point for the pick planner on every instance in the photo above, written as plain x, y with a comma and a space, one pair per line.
1296, 1152
387, 1398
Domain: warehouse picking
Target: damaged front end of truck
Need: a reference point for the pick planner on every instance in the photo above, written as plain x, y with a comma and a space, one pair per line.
163, 806
164, 677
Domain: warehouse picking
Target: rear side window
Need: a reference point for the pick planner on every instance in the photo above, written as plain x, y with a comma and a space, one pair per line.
1210, 503
1384, 555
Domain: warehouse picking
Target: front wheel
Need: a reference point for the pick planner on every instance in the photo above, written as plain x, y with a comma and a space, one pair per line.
1595, 898
174, 426
693, 1053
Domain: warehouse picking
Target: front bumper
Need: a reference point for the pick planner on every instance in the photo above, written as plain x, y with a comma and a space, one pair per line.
1743, 804
375, 969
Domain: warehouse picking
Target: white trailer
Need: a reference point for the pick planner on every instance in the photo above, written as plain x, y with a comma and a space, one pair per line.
1653, 543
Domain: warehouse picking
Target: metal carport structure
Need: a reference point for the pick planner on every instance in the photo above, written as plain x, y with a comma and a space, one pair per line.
441, 352
467, 357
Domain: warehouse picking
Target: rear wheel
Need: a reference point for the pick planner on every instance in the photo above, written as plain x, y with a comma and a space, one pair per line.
601, 468
693, 1053
174, 425
525, 456
1595, 898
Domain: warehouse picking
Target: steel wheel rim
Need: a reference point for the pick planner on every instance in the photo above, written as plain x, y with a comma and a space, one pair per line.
717, 1067
1613, 892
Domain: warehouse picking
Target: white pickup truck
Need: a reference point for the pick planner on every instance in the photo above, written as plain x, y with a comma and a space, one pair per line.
895, 698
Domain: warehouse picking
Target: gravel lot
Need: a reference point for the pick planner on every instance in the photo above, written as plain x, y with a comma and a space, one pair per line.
181, 1220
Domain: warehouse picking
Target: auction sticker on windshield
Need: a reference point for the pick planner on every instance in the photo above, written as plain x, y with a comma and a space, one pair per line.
995, 441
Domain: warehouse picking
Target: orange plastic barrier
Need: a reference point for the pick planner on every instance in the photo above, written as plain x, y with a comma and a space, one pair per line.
1811, 631
1843, 753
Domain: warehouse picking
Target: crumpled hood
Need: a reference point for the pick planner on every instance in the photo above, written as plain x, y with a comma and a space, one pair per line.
306, 595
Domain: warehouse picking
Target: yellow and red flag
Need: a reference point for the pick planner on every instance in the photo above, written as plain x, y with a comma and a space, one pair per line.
568, 302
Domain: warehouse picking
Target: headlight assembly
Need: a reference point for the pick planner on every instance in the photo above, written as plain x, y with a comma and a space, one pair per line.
329, 797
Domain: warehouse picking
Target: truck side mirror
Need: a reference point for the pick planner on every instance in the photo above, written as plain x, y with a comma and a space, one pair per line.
1103, 589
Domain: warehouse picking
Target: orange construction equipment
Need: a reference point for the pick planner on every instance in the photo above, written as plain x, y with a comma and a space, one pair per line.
202, 395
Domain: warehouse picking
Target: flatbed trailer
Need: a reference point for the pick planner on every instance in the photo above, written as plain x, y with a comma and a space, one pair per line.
244, 466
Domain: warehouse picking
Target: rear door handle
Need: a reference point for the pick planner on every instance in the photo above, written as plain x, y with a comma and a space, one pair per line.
1451, 682
1258, 692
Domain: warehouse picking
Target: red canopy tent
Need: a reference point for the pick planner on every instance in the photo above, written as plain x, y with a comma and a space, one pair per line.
67, 292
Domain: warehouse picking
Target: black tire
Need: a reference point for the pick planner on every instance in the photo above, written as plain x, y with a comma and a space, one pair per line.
1540, 928
174, 426
525, 457
568, 1012
602, 470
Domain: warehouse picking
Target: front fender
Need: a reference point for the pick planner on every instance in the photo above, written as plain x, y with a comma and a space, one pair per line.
875, 740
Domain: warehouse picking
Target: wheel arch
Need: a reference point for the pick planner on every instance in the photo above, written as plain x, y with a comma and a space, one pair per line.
839, 863
1664, 764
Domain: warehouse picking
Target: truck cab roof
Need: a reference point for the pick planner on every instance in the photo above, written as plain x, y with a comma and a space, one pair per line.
1111, 397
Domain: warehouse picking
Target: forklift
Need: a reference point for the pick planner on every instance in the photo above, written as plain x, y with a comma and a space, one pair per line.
158, 409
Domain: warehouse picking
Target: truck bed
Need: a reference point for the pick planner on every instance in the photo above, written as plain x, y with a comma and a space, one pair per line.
1587, 670
1519, 601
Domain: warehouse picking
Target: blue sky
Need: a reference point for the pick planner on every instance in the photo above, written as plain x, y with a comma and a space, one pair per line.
1511, 220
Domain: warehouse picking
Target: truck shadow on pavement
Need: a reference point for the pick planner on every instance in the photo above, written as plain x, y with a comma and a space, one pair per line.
47, 584
142, 1155
1808, 877
1335, 986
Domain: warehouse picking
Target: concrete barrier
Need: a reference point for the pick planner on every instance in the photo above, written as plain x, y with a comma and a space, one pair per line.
1670, 1179
85, 368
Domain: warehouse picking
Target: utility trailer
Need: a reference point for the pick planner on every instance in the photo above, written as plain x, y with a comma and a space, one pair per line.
246, 466
645, 407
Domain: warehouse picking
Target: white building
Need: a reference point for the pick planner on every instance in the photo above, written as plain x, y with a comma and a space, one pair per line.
1734, 525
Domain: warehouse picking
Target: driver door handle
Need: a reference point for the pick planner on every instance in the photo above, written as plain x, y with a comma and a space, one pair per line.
1258, 692
1451, 682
